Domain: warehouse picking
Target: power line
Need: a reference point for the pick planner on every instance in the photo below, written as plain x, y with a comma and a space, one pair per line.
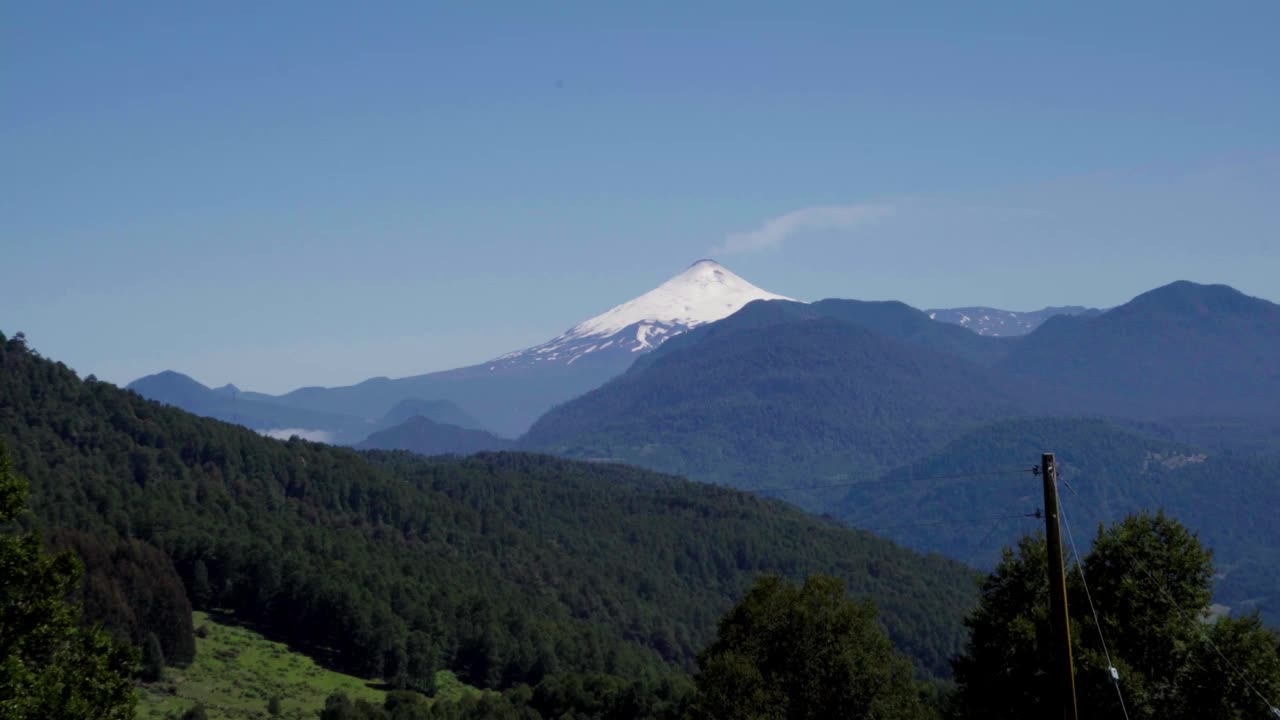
1204, 633
1111, 666
897, 481
1164, 590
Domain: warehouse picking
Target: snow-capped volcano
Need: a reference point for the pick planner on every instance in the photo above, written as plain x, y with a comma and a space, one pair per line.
705, 292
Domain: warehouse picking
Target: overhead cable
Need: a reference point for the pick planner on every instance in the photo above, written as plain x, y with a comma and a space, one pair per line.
1111, 666
1164, 590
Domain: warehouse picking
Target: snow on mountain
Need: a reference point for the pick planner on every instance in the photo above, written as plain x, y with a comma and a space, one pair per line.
1003, 323
705, 292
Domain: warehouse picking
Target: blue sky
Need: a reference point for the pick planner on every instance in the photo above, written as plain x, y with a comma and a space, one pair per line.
285, 194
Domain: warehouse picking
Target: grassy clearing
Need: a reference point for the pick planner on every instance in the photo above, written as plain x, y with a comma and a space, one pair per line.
237, 672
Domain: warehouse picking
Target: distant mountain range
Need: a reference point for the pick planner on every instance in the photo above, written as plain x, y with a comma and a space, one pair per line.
261, 413
255, 411
506, 395
774, 370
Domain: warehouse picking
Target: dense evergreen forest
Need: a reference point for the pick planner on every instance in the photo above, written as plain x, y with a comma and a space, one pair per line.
1145, 644
507, 568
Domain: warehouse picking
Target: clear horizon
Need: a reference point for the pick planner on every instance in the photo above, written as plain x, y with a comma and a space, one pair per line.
309, 195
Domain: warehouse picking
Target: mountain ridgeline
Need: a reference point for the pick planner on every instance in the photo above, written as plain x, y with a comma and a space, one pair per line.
505, 568
867, 385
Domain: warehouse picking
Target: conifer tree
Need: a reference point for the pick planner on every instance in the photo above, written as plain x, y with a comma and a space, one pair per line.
152, 659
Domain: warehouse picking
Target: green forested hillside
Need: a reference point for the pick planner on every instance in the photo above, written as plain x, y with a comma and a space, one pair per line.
504, 568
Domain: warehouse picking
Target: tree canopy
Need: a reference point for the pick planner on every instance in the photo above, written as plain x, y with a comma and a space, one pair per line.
50, 666
803, 652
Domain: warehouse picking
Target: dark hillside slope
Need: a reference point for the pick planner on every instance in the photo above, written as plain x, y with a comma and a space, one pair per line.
1179, 350
503, 567
775, 403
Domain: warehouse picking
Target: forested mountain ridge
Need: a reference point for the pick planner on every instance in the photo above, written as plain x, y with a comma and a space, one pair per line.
505, 567
777, 403
1180, 350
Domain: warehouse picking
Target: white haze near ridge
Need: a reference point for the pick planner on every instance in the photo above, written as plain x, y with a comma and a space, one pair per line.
776, 230
323, 436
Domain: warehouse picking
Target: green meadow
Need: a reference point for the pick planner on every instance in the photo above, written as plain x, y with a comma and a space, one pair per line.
237, 671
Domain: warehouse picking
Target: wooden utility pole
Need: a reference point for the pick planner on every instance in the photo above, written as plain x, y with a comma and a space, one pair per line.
1064, 668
